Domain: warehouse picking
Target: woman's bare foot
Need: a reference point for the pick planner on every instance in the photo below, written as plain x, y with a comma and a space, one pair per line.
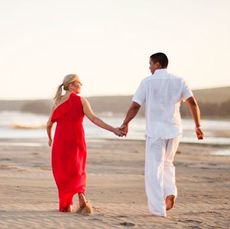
70, 208
87, 210
85, 207
67, 209
170, 201
82, 199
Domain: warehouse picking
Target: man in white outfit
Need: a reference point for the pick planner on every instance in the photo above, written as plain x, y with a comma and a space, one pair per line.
162, 94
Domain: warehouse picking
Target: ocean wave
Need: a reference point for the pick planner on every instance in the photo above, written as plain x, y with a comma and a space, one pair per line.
23, 126
20, 120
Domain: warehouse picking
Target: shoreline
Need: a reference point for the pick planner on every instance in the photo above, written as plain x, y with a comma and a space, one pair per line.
90, 139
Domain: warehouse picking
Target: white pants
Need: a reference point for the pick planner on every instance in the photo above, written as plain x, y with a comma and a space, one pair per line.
160, 172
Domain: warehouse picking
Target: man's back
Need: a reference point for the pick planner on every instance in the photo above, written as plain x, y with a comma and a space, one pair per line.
162, 94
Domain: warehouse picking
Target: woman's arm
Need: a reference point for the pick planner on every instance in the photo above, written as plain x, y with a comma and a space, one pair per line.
93, 118
49, 132
49, 128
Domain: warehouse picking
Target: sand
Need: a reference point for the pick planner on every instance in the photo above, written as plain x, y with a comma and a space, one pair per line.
115, 168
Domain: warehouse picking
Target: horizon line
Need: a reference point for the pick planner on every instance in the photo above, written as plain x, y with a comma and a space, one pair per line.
100, 95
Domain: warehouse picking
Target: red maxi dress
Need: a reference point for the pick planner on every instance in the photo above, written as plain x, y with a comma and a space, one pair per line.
69, 150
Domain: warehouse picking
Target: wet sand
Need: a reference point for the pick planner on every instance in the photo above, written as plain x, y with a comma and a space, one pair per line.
115, 168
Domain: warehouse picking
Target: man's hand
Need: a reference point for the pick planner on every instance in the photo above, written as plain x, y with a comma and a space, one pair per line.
132, 112
124, 129
199, 133
118, 132
195, 111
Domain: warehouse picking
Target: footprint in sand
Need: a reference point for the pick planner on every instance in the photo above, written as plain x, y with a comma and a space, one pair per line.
127, 224
190, 221
121, 216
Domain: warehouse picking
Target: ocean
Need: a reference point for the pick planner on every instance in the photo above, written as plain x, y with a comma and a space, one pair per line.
20, 125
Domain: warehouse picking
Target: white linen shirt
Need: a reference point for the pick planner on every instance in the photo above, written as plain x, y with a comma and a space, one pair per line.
162, 94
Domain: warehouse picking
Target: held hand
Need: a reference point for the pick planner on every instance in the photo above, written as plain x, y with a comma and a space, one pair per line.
199, 133
50, 142
118, 132
124, 129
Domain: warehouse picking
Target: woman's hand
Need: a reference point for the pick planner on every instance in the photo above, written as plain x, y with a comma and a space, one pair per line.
118, 132
49, 130
50, 142
124, 128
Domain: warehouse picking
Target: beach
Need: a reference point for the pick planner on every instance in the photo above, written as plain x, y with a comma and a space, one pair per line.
115, 187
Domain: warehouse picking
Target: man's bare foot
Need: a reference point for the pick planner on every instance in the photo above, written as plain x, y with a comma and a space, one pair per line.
170, 201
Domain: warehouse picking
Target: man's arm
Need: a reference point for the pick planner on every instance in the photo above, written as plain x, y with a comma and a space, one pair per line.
132, 112
195, 111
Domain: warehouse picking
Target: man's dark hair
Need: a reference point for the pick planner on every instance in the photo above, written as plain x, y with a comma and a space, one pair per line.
161, 58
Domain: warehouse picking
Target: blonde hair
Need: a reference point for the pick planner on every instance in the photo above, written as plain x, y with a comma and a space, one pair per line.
68, 79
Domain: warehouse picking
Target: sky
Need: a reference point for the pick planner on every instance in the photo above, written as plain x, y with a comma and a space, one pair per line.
108, 44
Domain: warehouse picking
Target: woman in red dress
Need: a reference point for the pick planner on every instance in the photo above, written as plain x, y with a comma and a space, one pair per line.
68, 146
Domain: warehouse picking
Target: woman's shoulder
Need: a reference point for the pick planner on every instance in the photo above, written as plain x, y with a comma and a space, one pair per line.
79, 98
75, 96
83, 100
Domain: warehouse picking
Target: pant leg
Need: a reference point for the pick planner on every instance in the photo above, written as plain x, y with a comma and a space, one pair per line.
154, 169
169, 168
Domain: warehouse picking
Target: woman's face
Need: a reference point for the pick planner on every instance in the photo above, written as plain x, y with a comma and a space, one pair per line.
76, 86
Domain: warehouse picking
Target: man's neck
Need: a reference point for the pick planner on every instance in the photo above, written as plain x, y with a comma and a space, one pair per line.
159, 69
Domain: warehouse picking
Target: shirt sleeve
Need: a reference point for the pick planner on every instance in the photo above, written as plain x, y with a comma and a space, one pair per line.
140, 94
186, 91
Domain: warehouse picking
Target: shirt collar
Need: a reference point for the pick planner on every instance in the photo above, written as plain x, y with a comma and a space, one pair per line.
160, 71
